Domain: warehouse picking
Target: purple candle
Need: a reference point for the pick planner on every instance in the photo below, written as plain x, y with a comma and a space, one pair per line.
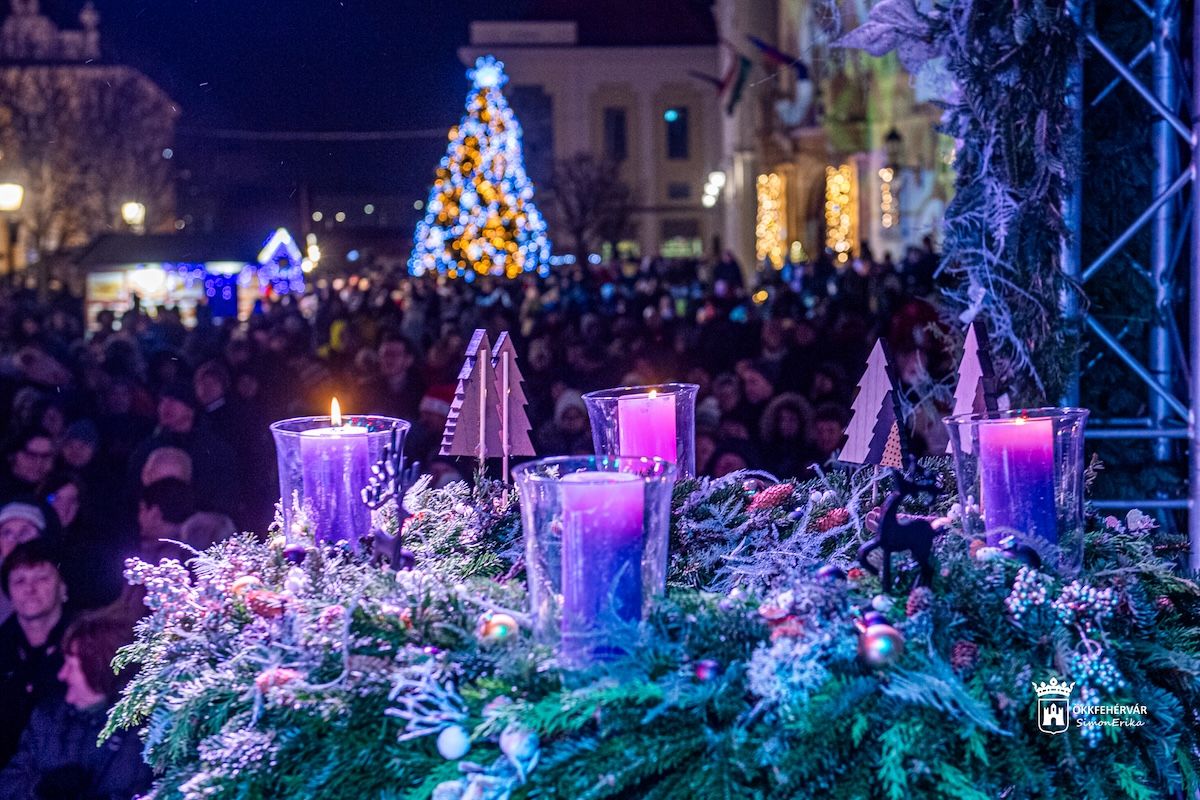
336, 466
603, 518
1016, 478
646, 426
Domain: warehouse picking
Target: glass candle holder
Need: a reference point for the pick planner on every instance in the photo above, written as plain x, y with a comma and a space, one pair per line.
323, 469
596, 534
1020, 473
646, 421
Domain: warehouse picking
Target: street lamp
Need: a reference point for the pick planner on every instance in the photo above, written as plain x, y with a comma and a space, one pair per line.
12, 194
134, 214
889, 179
893, 149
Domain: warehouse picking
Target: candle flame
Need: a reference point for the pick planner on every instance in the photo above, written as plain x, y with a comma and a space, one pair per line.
1020, 420
335, 414
653, 393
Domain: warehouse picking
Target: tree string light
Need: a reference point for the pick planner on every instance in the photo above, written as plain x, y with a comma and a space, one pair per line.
480, 218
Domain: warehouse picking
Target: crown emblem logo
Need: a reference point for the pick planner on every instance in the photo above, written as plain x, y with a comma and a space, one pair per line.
1054, 689
1053, 705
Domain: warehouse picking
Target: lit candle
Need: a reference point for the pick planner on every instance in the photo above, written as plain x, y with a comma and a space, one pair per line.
1016, 478
336, 466
646, 426
603, 519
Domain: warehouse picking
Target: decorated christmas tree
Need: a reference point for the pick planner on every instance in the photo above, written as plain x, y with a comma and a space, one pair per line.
480, 218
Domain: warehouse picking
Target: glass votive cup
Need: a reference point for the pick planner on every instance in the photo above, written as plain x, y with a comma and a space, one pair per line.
647, 421
596, 532
323, 470
1020, 474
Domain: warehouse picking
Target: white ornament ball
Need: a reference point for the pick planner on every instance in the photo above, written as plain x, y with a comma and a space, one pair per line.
453, 743
881, 602
830, 496
296, 581
814, 497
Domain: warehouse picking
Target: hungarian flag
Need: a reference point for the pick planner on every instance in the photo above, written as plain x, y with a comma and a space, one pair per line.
777, 56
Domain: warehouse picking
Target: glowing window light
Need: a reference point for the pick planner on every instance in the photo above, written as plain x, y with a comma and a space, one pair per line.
889, 209
147, 280
840, 213
770, 227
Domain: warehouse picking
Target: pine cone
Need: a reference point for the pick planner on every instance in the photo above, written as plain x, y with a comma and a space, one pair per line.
771, 497
963, 656
919, 599
265, 603
833, 519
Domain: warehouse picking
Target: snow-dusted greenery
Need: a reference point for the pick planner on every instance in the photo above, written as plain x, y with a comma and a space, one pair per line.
336, 678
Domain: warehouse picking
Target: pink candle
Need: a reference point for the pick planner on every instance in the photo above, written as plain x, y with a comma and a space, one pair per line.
646, 426
1016, 478
603, 518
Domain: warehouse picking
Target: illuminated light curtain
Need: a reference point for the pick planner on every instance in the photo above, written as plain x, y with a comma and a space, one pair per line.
841, 221
480, 218
770, 228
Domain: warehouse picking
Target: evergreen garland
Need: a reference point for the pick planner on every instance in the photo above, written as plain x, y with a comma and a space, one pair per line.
1007, 65
335, 678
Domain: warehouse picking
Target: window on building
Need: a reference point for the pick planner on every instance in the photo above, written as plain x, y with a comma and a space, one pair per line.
616, 145
677, 133
679, 190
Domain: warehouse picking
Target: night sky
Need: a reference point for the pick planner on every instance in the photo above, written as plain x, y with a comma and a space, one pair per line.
298, 65
329, 65
301, 64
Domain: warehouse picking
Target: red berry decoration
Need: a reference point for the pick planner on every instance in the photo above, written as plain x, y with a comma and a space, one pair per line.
834, 518
772, 497
275, 676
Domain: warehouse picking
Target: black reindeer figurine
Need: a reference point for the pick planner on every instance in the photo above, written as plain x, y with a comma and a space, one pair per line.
391, 481
914, 534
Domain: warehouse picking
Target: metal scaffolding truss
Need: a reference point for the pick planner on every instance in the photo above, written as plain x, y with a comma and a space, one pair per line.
1170, 372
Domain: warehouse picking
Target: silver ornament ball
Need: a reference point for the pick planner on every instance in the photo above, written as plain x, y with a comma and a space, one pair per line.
880, 645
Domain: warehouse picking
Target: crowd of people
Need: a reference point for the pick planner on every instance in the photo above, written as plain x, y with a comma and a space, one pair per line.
134, 433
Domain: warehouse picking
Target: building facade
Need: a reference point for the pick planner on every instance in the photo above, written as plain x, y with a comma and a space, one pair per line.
636, 105
829, 149
89, 142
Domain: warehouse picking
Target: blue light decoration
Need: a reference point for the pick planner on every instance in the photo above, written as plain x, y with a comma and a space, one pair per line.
279, 264
480, 218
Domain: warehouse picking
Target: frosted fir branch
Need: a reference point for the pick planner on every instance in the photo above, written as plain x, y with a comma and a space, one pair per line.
426, 703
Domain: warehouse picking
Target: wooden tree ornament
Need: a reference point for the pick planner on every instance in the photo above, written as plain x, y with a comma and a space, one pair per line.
975, 392
473, 424
875, 435
510, 394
